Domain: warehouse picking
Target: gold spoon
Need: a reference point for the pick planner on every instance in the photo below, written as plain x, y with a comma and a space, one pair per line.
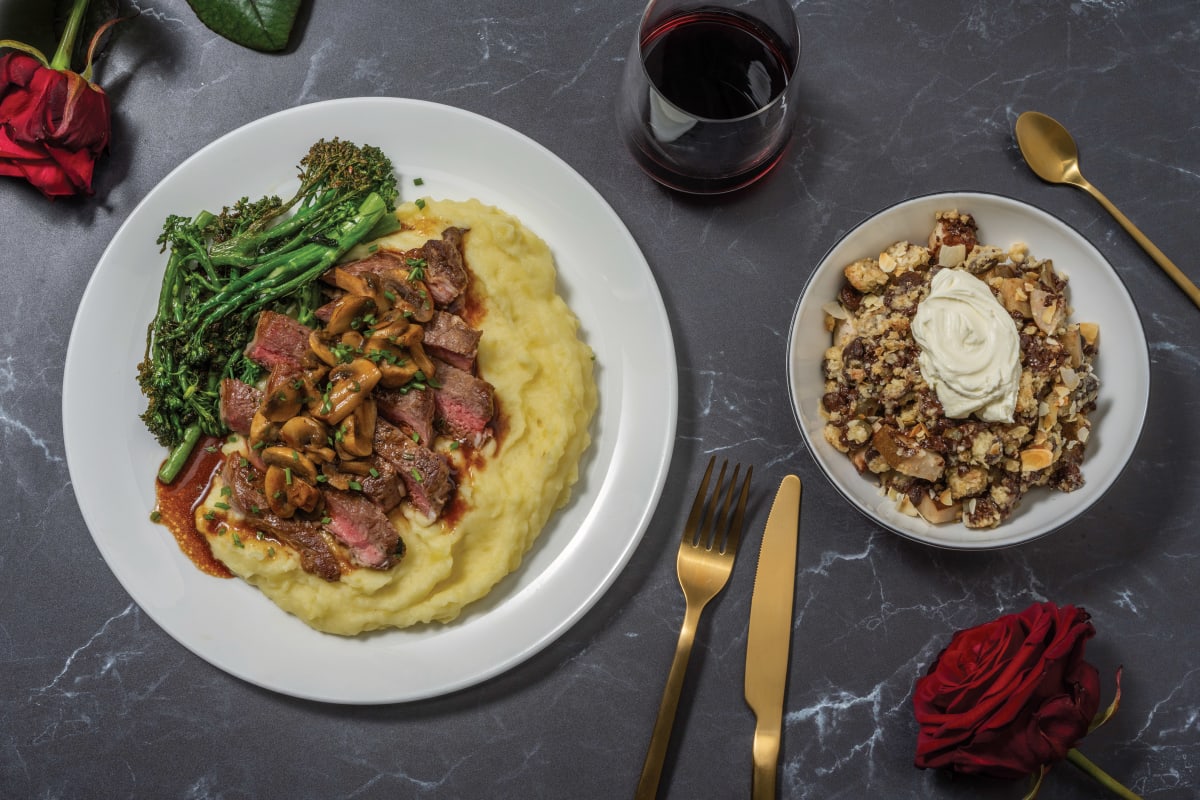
1051, 153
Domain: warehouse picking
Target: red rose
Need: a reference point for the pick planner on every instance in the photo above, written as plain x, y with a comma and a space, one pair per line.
1010, 696
54, 124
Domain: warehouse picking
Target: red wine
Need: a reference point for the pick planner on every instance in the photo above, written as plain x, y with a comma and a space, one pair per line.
716, 64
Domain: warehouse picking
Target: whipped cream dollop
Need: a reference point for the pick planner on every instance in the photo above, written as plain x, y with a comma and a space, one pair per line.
970, 351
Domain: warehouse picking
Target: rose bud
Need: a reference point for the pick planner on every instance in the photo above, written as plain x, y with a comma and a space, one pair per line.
54, 123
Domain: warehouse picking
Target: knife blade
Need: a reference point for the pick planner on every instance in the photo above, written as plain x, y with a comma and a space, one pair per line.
769, 639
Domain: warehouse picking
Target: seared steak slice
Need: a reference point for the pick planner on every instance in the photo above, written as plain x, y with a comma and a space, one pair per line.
378, 262
279, 342
383, 487
411, 410
238, 402
426, 474
450, 338
363, 527
304, 536
445, 274
465, 404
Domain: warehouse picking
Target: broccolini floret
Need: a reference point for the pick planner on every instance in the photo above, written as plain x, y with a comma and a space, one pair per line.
223, 269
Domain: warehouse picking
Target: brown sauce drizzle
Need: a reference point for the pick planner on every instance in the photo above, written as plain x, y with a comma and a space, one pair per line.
177, 502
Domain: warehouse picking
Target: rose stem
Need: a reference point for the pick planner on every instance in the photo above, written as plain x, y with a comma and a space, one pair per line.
62, 56
1100, 776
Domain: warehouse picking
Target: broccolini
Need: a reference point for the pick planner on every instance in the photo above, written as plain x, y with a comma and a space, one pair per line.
223, 269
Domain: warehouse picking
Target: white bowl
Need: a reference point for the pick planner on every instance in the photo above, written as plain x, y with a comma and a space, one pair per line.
1095, 292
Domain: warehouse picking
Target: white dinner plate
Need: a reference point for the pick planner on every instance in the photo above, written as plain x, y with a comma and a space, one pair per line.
1097, 295
603, 276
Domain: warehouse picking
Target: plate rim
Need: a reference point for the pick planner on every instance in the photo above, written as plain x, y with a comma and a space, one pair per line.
663, 444
983, 545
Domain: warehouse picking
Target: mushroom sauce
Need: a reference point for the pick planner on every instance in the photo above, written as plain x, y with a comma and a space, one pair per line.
530, 352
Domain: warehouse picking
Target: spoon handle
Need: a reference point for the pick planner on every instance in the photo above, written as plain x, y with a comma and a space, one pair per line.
1168, 266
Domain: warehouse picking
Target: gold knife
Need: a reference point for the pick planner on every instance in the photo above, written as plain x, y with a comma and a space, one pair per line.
769, 640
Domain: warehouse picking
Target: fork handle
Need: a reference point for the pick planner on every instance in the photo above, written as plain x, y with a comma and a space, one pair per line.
652, 768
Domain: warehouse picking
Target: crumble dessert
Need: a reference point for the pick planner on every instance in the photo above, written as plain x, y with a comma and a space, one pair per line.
919, 388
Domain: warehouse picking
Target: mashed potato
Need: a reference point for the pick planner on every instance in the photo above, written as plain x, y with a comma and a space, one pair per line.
545, 395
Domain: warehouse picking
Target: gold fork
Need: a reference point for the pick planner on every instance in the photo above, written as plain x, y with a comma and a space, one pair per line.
704, 562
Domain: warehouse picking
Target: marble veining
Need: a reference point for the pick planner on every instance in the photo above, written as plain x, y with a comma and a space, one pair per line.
897, 99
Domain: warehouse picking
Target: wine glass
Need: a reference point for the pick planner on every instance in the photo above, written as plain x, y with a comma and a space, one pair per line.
708, 97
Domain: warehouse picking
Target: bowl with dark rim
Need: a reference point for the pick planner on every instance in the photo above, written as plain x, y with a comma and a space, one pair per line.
1095, 293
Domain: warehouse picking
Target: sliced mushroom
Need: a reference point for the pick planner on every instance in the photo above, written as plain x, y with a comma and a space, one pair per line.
410, 297
356, 433
309, 436
349, 312
284, 397
349, 385
907, 457
286, 492
288, 458
364, 283
262, 430
275, 487
321, 345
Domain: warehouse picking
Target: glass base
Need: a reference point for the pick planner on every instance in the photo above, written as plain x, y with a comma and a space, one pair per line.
692, 184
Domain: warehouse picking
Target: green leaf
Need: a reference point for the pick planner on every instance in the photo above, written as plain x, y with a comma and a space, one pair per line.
258, 24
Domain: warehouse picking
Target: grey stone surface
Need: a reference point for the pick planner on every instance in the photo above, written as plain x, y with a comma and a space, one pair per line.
899, 99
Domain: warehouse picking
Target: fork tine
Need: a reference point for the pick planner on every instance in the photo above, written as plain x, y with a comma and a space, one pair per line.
722, 522
735, 525
693, 520
711, 527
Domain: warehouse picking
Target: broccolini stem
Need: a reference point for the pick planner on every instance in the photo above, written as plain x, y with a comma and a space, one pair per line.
179, 454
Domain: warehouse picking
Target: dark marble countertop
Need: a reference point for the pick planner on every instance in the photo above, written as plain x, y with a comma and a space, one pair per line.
899, 99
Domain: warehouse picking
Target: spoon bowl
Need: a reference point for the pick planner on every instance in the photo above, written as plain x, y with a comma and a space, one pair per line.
1050, 152
1048, 148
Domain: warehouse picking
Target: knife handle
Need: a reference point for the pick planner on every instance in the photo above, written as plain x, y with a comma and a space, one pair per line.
766, 762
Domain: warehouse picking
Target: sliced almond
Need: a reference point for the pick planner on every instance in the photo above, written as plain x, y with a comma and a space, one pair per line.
1036, 458
1090, 332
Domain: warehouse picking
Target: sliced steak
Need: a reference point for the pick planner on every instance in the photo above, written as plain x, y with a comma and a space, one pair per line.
450, 338
426, 474
303, 536
445, 274
464, 404
411, 410
279, 342
378, 262
238, 402
363, 527
383, 487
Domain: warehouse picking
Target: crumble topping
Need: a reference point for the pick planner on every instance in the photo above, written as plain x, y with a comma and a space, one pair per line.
883, 414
